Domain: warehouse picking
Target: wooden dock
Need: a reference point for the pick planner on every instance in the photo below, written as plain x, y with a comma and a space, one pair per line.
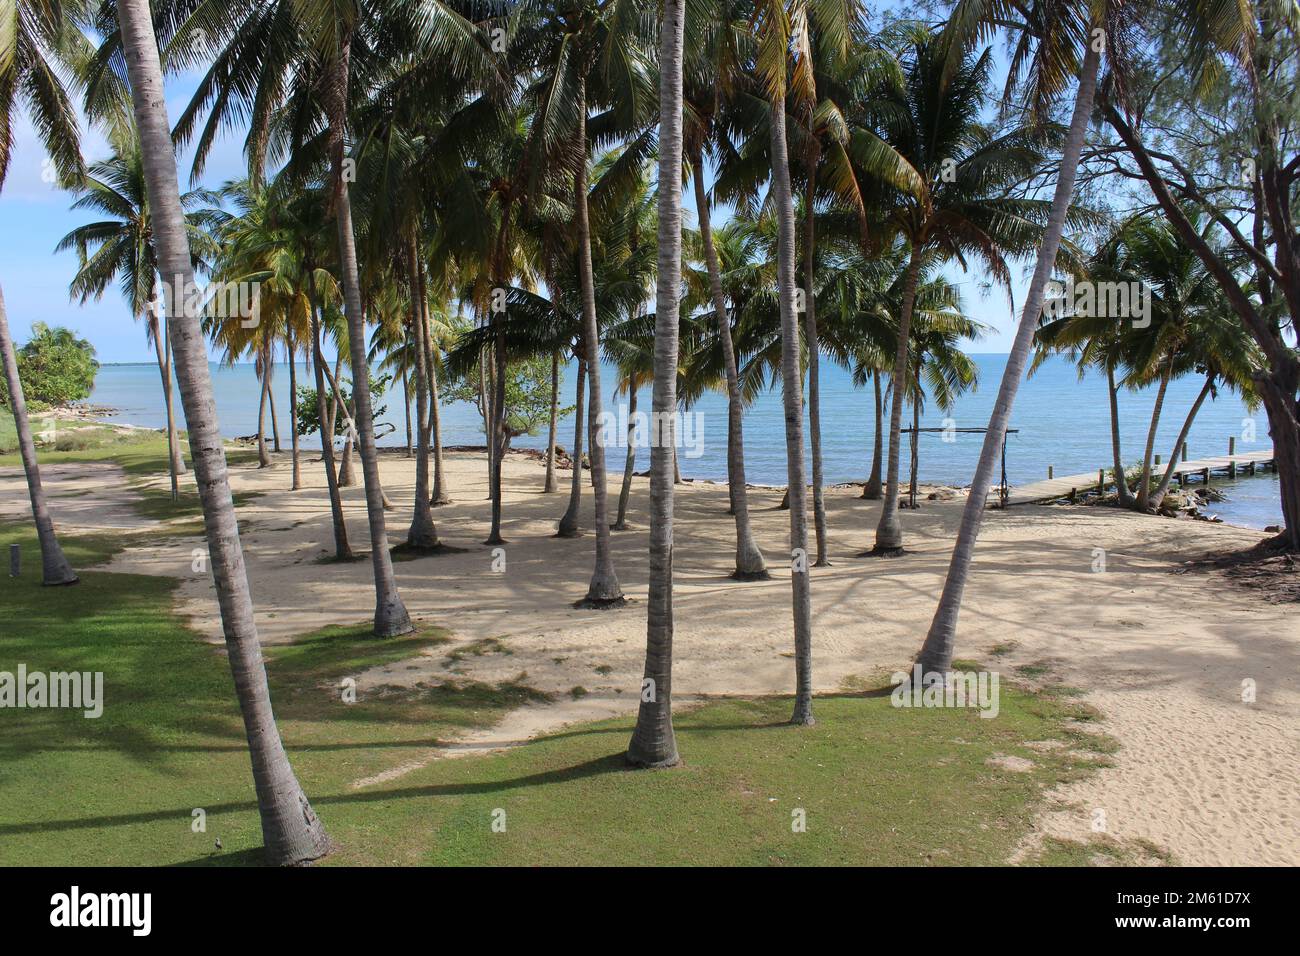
1071, 486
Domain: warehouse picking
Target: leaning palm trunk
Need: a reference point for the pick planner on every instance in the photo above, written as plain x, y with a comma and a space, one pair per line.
342, 549
440, 496
406, 407
750, 565
54, 566
889, 532
391, 617
263, 458
1121, 480
936, 653
1144, 488
604, 588
270, 395
814, 385
422, 533
793, 400
296, 481
1158, 495
175, 465
653, 742
549, 486
629, 465
569, 527
290, 829
871, 491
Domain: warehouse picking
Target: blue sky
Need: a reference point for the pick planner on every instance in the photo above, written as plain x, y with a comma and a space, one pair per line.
35, 215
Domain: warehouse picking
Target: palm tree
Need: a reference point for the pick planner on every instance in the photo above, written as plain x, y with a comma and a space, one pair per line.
39, 36
653, 742
55, 569
304, 52
120, 248
591, 55
774, 32
1072, 33
715, 58
291, 831
958, 204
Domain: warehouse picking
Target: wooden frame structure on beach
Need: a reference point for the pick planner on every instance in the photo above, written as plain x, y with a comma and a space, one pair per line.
1003, 489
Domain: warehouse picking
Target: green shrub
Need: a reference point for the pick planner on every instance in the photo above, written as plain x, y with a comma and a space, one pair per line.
55, 367
8, 433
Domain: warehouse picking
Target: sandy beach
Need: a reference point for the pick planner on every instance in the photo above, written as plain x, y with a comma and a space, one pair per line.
1204, 776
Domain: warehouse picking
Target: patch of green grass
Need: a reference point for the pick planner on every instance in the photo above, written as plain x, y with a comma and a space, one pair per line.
877, 784
479, 648
1100, 851
120, 789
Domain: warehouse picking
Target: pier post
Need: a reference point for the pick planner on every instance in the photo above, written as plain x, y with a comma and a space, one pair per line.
1101, 481
1184, 451
1232, 450
1049, 473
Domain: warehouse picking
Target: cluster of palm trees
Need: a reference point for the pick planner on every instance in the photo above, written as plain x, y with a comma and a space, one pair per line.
447, 190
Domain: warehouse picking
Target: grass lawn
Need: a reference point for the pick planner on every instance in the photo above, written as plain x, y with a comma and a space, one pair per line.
877, 785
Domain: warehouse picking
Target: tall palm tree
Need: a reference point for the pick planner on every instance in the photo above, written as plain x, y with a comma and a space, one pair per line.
120, 248
39, 35
958, 205
774, 48
291, 831
1071, 33
716, 54
55, 569
303, 51
653, 742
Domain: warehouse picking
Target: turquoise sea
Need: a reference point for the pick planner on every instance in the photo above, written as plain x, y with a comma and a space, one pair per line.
1062, 420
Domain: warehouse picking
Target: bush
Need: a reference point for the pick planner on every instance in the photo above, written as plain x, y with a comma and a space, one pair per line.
55, 367
8, 432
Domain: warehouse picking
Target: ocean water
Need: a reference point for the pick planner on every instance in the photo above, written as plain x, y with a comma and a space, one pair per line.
1061, 420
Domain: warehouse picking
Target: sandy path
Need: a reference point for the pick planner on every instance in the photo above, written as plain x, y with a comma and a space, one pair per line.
96, 497
1163, 655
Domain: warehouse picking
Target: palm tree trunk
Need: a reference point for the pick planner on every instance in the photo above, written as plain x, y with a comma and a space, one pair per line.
814, 386
296, 482
270, 394
936, 652
1121, 480
889, 532
290, 829
793, 400
174, 465
497, 434
391, 617
604, 588
1144, 489
440, 496
653, 742
629, 466
55, 569
871, 491
1159, 494
406, 405
912, 445
549, 486
263, 457
342, 549
569, 523
750, 565
422, 533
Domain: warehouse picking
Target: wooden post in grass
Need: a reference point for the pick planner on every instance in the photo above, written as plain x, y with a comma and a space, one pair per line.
15, 561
